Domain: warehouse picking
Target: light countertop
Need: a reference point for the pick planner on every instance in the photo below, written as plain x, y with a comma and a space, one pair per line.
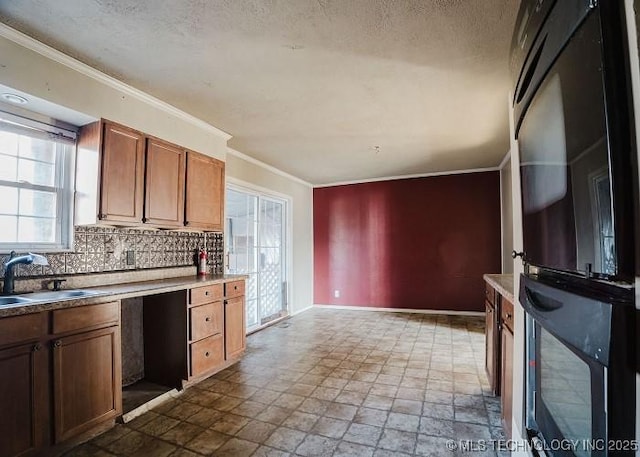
503, 283
114, 292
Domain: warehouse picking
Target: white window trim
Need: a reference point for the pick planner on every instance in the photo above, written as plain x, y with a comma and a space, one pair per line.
64, 195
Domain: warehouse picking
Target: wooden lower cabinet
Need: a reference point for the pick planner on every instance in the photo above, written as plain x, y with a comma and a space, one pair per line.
235, 336
87, 382
24, 400
206, 355
506, 380
492, 347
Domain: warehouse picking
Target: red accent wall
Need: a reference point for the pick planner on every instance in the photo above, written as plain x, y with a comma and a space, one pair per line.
419, 243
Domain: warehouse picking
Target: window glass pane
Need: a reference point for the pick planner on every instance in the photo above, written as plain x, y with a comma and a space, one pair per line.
34, 172
32, 229
35, 148
8, 200
8, 143
8, 229
8, 168
36, 203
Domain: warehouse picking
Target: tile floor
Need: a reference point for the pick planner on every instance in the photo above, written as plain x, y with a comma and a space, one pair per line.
329, 383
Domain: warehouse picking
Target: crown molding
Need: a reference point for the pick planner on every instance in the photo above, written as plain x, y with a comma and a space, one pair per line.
268, 167
34, 45
505, 159
419, 175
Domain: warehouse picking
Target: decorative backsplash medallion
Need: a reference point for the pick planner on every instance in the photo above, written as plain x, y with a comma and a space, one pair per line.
100, 249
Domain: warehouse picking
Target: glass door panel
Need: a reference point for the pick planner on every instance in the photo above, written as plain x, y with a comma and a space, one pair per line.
254, 236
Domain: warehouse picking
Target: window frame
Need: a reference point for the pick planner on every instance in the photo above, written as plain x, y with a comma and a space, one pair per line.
65, 138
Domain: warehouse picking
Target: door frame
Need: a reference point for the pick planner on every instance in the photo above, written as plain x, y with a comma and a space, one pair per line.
247, 187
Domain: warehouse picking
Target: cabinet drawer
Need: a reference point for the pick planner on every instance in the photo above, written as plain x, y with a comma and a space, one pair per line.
507, 314
205, 320
206, 354
234, 289
206, 294
490, 294
22, 328
66, 320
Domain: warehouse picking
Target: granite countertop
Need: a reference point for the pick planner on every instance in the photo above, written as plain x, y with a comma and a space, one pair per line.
503, 283
112, 292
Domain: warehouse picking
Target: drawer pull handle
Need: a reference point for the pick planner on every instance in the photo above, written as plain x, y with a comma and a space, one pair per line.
207, 319
206, 354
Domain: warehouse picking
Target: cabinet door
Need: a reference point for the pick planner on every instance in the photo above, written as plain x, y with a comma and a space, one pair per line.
204, 192
492, 347
87, 381
164, 184
234, 327
122, 174
507, 380
24, 400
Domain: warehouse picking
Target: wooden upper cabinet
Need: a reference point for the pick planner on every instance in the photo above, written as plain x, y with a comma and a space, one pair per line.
204, 202
122, 174
164, 188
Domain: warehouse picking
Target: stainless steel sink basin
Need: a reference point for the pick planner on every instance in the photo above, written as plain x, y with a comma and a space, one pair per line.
13, 300
62, 295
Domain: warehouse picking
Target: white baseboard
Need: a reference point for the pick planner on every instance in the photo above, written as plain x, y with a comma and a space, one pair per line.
301, 310
402, 310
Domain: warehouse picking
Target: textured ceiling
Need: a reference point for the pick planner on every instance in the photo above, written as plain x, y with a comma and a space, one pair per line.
309, 86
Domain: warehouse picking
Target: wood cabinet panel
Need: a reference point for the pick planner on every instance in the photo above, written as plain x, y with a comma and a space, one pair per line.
234, 327
24, 395
22, 328
204, 202
490, 294
206, 354
122, 174
206, 320
164, 184
67, 320
506, 380
506, 313
206, 294
87, 381
492, 347
234, 289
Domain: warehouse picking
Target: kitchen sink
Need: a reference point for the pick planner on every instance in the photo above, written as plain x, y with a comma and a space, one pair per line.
13, 301
62, 295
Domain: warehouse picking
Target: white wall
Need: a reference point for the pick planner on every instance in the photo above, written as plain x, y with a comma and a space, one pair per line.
36, 74
506, 207
35, 69
240, 170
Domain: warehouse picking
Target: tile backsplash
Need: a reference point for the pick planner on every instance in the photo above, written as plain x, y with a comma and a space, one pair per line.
100, 249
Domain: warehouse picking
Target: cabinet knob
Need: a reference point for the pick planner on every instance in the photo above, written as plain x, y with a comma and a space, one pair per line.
207, 319
144, 219
206, 354
101, 216
509, 316
235, 287
37, 347
57, 343
207, 293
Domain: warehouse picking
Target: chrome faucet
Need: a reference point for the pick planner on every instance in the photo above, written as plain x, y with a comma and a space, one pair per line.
8, 286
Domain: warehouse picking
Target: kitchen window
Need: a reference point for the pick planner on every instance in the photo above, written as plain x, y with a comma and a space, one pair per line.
36, 185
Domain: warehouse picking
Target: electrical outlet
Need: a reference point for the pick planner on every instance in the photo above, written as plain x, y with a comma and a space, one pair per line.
131, 257
336, 293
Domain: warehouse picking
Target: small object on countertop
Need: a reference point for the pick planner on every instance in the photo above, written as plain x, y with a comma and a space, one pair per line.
56, 283
202, 263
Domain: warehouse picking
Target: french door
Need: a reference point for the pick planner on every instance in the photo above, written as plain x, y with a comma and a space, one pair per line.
255, 231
